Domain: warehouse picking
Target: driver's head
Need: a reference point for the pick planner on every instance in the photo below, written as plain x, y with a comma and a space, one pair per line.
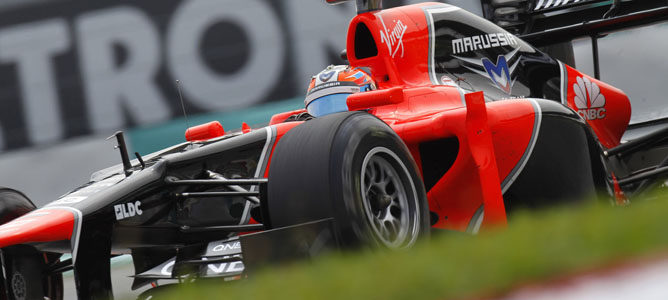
328, 90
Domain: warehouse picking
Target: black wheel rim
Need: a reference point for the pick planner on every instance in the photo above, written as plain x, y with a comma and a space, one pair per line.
19, 286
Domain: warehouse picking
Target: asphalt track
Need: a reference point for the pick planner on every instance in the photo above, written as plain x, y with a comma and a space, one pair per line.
121, 281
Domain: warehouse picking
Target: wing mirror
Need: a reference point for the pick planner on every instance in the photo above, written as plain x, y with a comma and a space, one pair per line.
375, 98
362, 5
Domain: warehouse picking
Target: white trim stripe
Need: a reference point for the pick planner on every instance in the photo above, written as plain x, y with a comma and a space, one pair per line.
259, 170
462, 95
76, 229
508, 181
429, 11
342, 89
563, 85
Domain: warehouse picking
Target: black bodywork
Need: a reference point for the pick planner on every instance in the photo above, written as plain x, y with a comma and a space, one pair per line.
532, 73
552, 25
187, 195
178, 211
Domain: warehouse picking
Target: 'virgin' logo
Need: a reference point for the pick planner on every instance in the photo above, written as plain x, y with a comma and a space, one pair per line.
393, 38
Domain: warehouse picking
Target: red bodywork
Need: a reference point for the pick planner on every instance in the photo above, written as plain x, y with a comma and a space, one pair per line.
492, 136
607, 116
42, 225
205, 131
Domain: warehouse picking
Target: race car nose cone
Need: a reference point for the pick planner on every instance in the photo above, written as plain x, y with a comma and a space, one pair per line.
42, 225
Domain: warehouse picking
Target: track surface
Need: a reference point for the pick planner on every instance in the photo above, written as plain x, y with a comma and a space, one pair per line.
121, 269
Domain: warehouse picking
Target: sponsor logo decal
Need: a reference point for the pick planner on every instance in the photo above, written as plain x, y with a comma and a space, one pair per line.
483, 41
70, 200
545, 4
325, 85
325, 76
514, 97
224, 247
225, 268
85, 192
500, 73
445, 80
230, 268
127, 210
393, 39
227, 246
588, 99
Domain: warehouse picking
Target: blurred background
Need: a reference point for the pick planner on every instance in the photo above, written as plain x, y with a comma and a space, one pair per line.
74, 72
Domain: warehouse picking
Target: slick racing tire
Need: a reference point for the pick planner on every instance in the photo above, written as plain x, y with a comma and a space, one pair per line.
26, 279
25, 266
13, 204
351, 167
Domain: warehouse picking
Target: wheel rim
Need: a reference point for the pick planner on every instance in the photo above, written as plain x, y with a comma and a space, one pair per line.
18, 286
389, 198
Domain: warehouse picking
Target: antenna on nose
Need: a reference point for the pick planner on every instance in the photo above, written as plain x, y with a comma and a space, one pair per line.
362, 5
183, 105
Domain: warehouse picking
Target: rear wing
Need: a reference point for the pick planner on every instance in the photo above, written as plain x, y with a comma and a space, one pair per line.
362, 5
597, 27
544, 23
524, 17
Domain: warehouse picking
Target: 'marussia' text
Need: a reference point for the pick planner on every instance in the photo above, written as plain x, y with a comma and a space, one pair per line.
483, 41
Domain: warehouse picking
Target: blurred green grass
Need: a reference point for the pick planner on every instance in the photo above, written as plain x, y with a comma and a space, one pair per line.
536, 246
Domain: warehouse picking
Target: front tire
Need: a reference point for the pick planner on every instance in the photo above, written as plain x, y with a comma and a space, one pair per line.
354, 168
25, 266
26, 279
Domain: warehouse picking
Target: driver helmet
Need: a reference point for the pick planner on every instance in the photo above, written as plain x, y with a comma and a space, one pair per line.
328, 91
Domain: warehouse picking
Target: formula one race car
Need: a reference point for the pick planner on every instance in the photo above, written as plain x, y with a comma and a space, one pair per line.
467, 123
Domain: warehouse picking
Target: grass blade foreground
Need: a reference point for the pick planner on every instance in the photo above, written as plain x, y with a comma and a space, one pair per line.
535, 247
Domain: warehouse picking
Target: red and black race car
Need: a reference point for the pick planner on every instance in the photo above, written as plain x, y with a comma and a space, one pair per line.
468, 123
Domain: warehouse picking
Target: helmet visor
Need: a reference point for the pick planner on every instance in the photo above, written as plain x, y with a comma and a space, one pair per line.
328, 104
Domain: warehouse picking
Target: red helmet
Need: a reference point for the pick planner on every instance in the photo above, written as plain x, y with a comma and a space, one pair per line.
328, 91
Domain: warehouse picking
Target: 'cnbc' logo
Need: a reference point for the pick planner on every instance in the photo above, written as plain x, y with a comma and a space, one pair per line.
588, 99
